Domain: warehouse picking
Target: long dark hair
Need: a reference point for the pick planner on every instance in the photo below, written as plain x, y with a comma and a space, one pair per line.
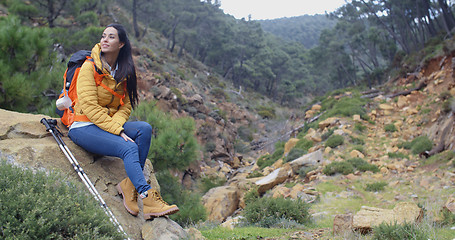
126, 68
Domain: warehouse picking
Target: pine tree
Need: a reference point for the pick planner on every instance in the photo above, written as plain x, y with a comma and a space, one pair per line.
174, 145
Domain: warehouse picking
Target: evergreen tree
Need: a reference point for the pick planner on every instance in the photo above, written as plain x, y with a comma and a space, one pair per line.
26, 75
174, 146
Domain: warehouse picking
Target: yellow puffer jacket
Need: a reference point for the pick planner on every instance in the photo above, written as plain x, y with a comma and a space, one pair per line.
99, 105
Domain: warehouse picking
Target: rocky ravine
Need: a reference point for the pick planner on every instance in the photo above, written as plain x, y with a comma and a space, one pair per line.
410, 181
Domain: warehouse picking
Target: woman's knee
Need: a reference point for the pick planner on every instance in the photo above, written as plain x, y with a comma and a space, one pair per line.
144, 128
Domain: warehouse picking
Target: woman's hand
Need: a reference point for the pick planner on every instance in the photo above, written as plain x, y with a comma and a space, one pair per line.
124, 136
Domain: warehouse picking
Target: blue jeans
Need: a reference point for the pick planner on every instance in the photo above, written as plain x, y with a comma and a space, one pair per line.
95, 140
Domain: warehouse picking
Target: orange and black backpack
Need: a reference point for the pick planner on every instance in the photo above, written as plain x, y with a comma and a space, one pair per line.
69, 86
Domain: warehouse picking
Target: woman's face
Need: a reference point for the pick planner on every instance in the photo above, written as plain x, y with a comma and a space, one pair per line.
110, 42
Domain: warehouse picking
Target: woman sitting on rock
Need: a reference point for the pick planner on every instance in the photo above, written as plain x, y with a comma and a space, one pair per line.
107, 106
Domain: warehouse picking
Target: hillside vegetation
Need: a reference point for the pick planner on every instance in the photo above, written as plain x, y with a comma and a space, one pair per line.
303, 29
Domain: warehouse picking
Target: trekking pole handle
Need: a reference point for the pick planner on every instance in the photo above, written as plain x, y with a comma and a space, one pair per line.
49, 123
45, 123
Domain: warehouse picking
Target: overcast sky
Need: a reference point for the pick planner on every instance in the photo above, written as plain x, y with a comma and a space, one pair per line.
271, 9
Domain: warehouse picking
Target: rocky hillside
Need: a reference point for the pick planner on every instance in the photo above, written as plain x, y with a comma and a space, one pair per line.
416, 105
406, 108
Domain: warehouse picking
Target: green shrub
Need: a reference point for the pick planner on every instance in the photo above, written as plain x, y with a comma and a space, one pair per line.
267, 160
390, 128
418, 145
175, 144
405, 145
346, 106
306, 127
358, 148
398, 232
375, 187
342, 167
448, 218
327, 134
181, 73
220, 94
269, 212
207, 183
251, 196
359, 127
357, 141
36, 205
334, 141
421, 144
255, 174
366, 118
425, 111
362, 165
304, 144
303, 171
294, 154
189, 202
179, 95
397, 155
266, 112
210, 147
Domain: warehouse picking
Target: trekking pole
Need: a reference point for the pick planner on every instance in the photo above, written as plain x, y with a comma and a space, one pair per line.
51, 126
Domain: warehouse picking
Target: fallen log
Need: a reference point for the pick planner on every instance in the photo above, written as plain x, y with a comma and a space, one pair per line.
421, 85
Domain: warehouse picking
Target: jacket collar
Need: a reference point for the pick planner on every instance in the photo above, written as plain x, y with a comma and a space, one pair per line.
96, 55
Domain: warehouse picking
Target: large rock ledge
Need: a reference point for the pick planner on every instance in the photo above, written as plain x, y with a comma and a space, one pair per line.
24, 142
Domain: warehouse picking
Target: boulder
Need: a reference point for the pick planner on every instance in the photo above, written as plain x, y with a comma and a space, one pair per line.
316, 107
328, 122
342, 223
24, 142
310, 159
402, 101
163, 92
163, 228
274, 178
290, 144
196, 98
231, 223
385, 106
369, 217
309, 114
356, 118
450, 204
221, 202
356, 154
194, 234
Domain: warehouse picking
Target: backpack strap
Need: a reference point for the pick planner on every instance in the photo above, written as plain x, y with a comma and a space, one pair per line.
99, 82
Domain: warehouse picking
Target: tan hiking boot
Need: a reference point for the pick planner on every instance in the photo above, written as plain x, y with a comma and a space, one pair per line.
155, 206
129, 194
